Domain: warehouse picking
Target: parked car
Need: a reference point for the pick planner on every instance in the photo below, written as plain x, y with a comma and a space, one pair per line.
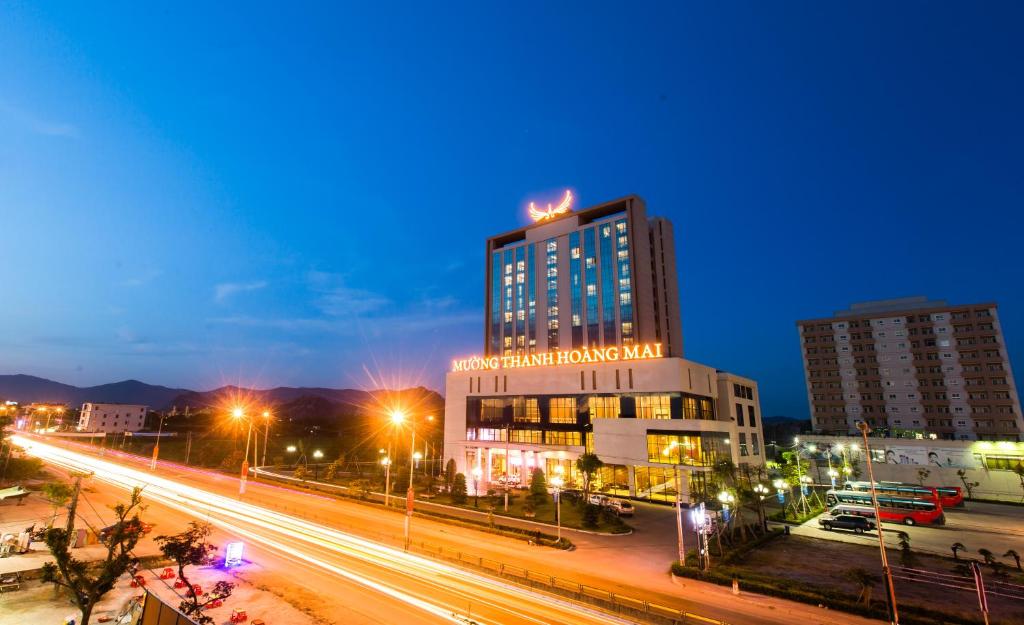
598, 500
621, 507
853, 522
144, 527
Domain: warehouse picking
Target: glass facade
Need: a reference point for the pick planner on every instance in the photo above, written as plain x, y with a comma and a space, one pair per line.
531, 301
654, 407
562, 410
520, 337
625, 282
607, 287
576, 288
656, 483
552, 278
563, 438
495, 345
686, 448
526, 410
604, 407
590, 277
507, 312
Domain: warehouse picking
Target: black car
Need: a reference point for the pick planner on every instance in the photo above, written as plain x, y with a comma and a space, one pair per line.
853, 522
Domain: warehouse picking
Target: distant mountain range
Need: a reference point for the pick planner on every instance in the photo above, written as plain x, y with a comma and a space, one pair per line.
27, 389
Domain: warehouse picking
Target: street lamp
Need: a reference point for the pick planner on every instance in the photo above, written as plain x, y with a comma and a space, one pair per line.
761, 491
156, 448
557, 482
238, 413
726, 498
477, 473
317, 454
266, 435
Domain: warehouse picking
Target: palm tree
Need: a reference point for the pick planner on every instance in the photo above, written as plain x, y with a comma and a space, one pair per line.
1016, 557
866, 581
957, 547
985, 553
906, 555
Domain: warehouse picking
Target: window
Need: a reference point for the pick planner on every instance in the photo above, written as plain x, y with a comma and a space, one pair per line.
492, 409
653, 407
526, 409
562, 410
686, 449
750, 416
604, 407
490, 434
755, 444
739, 414
534, 437
563, 438
743, 445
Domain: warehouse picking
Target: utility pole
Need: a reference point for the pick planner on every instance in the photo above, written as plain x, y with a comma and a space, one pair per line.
508, 431
188, 445
73, 505
894, 617
410, 495
679, 518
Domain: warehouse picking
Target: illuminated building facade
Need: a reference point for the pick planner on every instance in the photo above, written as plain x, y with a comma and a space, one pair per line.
583, 354
912, 365
596, 277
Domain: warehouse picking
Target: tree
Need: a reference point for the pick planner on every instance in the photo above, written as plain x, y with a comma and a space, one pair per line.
58, 494
968, 485
332, 470
1016, 557
301, 473
458, 489
956, 548
449, 474
866, 581
588, 464
538, 486
191, 548
67, 572
922, 475
1019, 470
907, 557
987, 555
591, 515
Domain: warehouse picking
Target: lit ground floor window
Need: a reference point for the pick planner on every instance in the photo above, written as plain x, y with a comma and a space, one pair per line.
612, 479
655, 483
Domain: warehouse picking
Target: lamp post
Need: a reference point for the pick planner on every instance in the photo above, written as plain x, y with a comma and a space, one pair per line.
761, 491
477, 474
266, 435
894, 617
156, 448
317, 455
238, 413
557, 482
726, 498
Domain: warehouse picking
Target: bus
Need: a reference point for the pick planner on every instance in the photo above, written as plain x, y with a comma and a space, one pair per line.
901, 489
948, 496
892, 508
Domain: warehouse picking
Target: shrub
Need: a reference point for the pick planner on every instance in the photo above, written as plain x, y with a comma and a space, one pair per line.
459, 489
538, 486
591, 516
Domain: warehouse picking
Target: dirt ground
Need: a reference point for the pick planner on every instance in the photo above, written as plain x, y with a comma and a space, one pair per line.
825, 562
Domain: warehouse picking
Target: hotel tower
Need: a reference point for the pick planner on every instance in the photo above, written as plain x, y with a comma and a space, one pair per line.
583, 353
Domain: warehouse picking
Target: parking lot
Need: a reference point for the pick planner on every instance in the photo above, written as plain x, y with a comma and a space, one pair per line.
995, 527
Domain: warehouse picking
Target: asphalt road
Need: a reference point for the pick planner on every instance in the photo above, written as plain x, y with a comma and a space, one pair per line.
324, 548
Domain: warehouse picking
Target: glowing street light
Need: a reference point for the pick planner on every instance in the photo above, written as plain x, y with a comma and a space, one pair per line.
266, 435
290, 449
557, 481
477, 474
238, 413
318, 454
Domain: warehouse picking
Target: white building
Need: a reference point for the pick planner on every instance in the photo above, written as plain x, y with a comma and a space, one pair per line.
112, 417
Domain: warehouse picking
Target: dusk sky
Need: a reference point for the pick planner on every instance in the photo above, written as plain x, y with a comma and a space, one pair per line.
289, 194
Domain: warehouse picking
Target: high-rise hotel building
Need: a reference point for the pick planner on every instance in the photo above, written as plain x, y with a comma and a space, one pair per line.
583, 352
912, 365
601, 276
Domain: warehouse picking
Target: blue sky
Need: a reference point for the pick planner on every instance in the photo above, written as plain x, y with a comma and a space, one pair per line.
299, 194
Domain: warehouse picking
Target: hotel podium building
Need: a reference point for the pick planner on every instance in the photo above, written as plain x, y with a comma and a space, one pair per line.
583, 352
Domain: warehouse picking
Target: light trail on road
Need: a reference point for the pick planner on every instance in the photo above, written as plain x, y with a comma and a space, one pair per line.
436, 588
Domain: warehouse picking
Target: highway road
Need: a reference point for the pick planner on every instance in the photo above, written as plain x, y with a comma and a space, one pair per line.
634, 566
381, 583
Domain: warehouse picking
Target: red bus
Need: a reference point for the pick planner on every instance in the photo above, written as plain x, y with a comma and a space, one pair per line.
892, 508
901, 489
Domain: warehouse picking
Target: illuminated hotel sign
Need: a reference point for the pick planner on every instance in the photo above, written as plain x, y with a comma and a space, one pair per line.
538, 214
572, 357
